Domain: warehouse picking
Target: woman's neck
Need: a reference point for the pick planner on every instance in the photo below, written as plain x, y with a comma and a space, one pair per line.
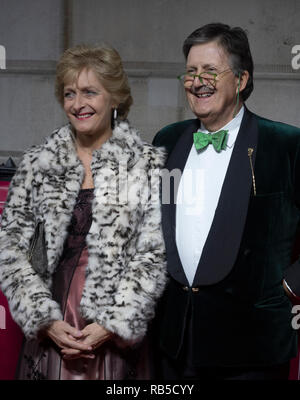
89, 143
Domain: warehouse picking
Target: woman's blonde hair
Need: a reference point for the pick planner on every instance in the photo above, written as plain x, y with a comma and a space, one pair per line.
105, 62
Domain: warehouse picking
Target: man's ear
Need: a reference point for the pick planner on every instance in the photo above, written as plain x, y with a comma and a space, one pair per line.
242, 81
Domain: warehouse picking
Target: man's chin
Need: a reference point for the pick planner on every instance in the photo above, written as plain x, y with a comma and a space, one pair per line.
202, 115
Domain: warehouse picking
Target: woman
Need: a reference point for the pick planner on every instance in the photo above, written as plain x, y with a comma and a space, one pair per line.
89, 190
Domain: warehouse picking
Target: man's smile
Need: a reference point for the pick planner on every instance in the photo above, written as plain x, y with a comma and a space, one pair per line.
203, 92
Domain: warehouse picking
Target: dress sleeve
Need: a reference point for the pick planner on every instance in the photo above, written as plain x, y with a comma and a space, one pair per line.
29, 298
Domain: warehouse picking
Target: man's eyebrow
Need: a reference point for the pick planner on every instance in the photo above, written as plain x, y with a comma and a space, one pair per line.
204, 67
207, 66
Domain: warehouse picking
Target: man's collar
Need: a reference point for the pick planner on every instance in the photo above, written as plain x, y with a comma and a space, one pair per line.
230, 126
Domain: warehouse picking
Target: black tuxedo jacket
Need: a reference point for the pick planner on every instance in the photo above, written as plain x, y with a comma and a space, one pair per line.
236, 311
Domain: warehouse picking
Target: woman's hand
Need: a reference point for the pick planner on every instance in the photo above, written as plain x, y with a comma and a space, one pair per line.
67, 337
93, 335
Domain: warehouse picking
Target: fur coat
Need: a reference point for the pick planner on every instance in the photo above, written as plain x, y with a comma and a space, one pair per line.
126, 271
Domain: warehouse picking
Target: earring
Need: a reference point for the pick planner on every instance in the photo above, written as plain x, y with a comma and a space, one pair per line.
115, 114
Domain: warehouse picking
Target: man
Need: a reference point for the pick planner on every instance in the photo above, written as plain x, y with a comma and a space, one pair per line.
229, 225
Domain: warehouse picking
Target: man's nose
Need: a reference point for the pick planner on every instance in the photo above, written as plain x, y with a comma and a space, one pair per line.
197, 81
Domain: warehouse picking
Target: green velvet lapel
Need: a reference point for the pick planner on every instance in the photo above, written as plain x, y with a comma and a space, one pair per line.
169, 136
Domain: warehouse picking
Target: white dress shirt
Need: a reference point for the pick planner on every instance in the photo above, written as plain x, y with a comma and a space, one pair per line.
198, 195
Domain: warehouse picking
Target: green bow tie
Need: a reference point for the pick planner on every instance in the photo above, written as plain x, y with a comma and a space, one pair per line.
218, 140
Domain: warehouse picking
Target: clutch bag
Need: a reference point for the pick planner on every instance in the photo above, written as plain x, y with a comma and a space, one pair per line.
37, 255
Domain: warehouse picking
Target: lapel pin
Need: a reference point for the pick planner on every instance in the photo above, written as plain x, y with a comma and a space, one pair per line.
250, 152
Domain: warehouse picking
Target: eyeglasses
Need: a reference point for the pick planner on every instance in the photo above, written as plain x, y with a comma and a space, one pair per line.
209, 77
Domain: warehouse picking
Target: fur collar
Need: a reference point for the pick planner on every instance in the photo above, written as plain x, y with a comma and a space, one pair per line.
59, 154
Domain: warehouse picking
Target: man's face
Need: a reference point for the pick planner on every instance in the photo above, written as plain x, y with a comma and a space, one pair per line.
214, 104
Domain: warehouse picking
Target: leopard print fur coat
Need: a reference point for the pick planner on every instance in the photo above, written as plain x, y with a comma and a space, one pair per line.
126, 271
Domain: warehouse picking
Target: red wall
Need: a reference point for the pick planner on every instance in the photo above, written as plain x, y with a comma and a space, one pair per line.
11, 337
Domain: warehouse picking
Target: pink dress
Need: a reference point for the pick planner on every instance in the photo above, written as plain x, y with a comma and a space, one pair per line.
114, 360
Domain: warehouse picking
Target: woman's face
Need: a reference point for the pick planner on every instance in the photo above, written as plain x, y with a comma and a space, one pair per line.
88, 105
